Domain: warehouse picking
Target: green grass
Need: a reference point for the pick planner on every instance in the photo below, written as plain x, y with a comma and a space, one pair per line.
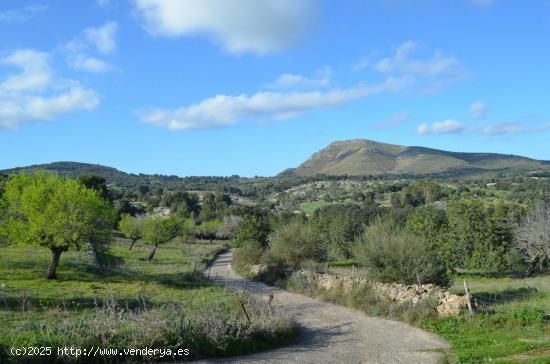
512, 325
310, 207
144, 292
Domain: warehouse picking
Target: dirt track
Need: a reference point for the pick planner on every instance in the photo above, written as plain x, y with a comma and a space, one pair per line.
334, 334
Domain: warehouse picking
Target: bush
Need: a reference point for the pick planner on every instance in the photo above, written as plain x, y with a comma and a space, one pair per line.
395, 255
254, 226
295, 243
249, 253
340, 225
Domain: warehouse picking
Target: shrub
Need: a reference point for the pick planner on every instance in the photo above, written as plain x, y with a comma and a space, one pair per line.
340, 225
295, 243
254, 226
216, 330
395, 255
249, 253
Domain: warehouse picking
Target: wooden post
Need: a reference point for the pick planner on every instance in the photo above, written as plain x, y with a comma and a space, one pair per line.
269, 300
227, 276
468, 298
209, 269
352, 270
241, 302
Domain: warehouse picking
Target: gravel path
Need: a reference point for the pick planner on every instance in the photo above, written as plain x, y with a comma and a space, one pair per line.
331, 333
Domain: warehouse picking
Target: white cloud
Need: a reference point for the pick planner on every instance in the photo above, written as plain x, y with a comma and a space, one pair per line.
289, 80
239, 25
103, 37
18, 109
401, 62
35, 72
395, 119
431, 73
22, 15
478, 110
442, 127
503, 128
423, 129
90, 64
224, 110
102, 40
35, 95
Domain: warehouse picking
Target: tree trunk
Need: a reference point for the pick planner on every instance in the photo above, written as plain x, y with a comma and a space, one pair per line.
152, 254
52, 272
132, 245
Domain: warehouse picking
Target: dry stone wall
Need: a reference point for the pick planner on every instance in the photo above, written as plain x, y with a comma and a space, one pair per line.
447, 304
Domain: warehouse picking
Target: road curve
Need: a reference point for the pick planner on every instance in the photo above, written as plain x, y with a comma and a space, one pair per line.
331, 333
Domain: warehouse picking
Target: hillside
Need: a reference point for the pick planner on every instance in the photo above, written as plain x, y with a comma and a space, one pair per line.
75, 169
365, 157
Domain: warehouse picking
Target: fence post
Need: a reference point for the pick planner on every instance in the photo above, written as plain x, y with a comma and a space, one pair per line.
468, 298
241, 302
227, 276
352, 270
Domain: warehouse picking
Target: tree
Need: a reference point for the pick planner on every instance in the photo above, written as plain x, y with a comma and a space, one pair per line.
131, 227
158, 230
57, 213
95, 183
427, 222
255, 226
396, 255
532, 237
340, 225
182, 202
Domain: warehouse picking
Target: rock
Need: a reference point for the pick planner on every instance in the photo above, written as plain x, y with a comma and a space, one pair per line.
257, 269
452, 304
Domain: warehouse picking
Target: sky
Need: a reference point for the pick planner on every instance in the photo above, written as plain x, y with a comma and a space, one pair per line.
215, 87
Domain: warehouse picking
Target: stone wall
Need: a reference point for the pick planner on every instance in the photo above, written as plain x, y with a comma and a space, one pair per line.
447, 304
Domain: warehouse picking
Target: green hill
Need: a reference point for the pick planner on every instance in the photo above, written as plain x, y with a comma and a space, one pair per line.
365, 157
75, 169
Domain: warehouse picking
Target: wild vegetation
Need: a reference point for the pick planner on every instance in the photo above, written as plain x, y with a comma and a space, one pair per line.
490, 230
121, 298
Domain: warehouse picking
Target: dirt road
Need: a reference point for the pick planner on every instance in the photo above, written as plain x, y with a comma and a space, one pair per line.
334, 334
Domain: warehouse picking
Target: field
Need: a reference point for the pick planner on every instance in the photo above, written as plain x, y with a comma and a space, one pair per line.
512, 324
35, 311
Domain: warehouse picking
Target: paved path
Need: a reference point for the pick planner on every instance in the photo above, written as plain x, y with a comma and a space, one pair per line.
334, 334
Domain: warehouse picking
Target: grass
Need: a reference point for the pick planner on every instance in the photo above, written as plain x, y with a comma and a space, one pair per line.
512, 324
310, 207
163, 294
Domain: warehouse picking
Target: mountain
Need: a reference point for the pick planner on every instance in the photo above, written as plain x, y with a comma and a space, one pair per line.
75, 169
362, 157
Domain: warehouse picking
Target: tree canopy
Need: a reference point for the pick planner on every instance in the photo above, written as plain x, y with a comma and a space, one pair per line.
57, 213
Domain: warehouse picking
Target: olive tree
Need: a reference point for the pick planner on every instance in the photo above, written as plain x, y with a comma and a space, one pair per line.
532, 237
131, 227
56, 213
159, 230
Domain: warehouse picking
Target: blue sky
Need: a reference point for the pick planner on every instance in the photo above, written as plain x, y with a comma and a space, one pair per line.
212, 87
